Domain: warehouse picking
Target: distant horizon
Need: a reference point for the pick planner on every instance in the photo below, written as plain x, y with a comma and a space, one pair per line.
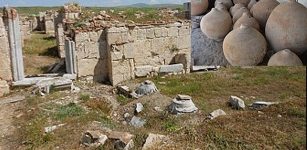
84, 3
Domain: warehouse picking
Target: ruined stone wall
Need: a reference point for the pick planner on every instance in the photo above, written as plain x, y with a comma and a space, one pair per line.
5, 61
142, 50
49, 24
118, 54
91, 53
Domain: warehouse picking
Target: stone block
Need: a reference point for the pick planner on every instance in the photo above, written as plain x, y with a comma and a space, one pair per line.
184, 42
117, 52
141, 34
150, 34
158, 32
82, 37
87, 50
184, 31
173, 32
4, 88
176, 68
143, 71
114, 37
122, 71
129, 50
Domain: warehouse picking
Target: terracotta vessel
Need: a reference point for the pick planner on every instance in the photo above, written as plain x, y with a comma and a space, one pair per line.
234, 8
244, 46
239, 13
262, 10
285, 58
247, 20
227, 3
286, 27
198, 7
216, 24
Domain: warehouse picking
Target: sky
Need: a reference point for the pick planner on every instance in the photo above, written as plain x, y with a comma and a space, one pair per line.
102, 3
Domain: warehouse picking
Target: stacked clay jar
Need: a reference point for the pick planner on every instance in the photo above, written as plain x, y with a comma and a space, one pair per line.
249, 28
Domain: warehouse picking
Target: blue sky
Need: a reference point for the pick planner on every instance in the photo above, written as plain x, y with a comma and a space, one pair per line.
84, 2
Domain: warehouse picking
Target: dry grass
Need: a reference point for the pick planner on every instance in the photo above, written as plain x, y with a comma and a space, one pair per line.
246, 129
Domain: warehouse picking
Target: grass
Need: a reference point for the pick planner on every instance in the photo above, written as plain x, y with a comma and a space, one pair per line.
246, 129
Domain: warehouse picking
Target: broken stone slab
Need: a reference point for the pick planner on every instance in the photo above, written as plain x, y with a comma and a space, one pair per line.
52, 128
236, 102
13, 99
146, 88
143, 71
182, 104
137, 122
4, 88
175, 68
29, 81
205, 68
258, 105
93, 138
139, 107
125, 91
158, 109
216, 113
154, 140
123, 140
43, 86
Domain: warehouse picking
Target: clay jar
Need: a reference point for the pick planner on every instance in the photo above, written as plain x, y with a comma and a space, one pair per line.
239, 13
198, 7
285, 58
262, 10
227, 3
234, 8
244, 2
216, 24
220, 6
286, 27
251, 4
247, 20
244, 46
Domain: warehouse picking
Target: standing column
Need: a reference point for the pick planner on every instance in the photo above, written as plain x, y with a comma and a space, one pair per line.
14, 34
70, 60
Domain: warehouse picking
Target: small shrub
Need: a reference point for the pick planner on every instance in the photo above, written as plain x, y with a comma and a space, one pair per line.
85, 97
70, 110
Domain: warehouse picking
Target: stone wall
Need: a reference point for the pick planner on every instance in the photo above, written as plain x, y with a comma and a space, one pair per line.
142, 50
5, 61
91, 55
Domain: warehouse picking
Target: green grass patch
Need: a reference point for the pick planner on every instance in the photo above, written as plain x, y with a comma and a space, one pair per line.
70, 110
84, 97
40, 44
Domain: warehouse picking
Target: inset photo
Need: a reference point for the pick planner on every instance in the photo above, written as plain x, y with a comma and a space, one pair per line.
249, 32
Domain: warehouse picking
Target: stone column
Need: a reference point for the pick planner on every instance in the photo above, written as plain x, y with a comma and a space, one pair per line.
70, 59
11, 20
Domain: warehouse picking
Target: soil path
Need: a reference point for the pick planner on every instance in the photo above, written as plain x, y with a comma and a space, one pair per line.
8, 112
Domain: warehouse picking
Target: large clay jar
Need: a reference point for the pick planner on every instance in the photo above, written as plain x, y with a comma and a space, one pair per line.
286, 27
234, 8
244, 2
227, 3
216, 24
262, 10
247, 20
251, 4
198, 7
239, 13
220, 6
285, 58
244, 46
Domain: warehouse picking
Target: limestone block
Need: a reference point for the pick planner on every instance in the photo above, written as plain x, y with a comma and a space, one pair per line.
184, 31
158, 32
5, 61
114, 37
183, 42
158, 45
4, 88
86, 67
132, 36
171, 68
150, 34
82, 37
141, 34
143, 71
94, 36
117, 52
87, 50
173, 31
164, 31
129, 50
122, 70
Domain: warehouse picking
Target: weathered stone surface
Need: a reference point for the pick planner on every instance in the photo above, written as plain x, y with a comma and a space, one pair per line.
143, 71
182, 104
173, 31
236, 102
259, 105
137, 122
4, 88
122, 71
216, 113
171, 68
206, 51
93, 138
146, 88
150, 33
153, 140
124, 140
139, 107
